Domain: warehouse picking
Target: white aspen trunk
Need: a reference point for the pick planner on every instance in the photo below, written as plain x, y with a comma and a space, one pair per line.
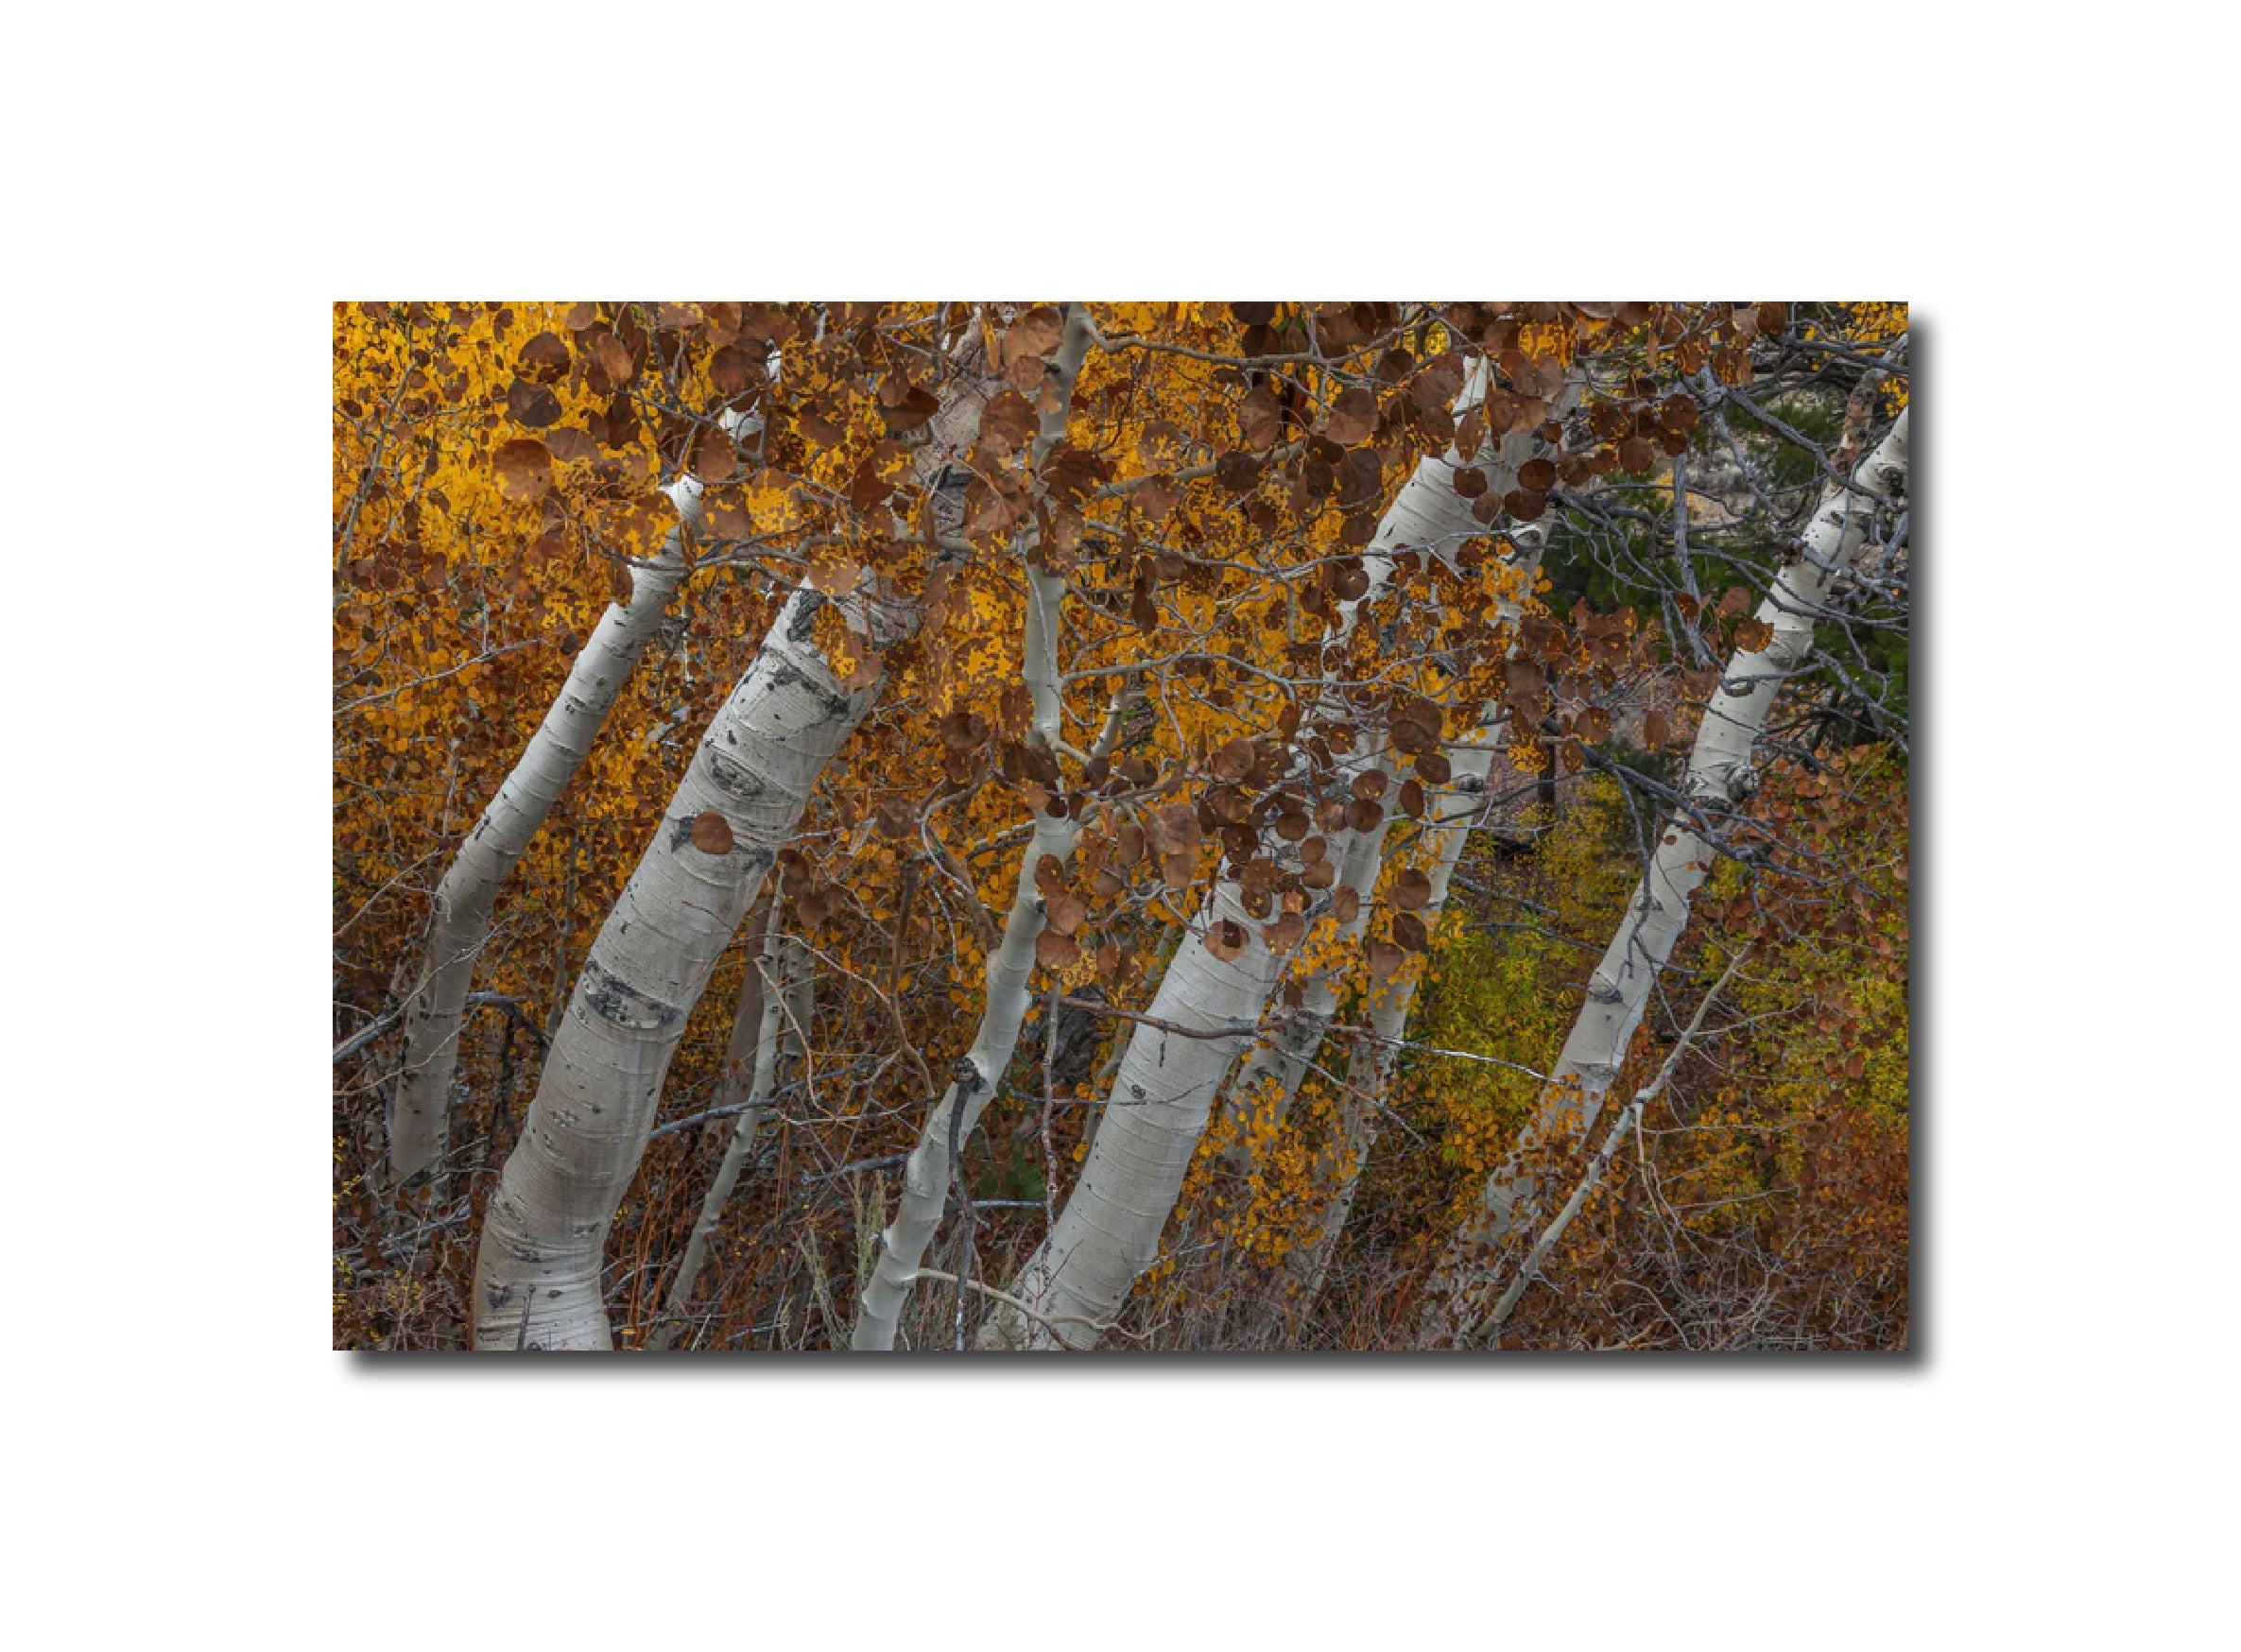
537, 1270
460, 923
1108, 1232
1721, 778
1158, 1107
747, 1072
926, 1175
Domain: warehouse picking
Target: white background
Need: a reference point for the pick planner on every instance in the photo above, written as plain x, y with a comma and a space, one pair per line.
189, 189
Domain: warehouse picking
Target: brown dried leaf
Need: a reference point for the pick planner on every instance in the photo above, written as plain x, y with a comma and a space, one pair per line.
715, 459
612, 360
532, 405
544, 359
1157, 497
1173, 829
1034, 336
963, 731
712, 832
1007, 420
1353, 416
569, 444
836, 578
736, 368
525, 469
1225, 940
1233, 760
1436, 384
1258, 417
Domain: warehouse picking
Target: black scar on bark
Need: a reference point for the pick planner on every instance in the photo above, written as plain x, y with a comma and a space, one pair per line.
785, 674
612, 999
808, 602
732, 778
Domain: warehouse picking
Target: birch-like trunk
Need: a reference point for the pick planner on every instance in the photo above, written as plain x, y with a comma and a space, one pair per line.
1109, 1232
1720, 779
465, 896
750, 1063
537, 1270
927, 1174
1200, 1020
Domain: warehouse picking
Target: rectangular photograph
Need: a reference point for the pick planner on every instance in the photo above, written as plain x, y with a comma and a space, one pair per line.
1155, 828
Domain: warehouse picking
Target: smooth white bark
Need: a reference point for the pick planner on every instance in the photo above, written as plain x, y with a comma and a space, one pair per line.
1721, 778
1200, 1020
537, 1271
927, 1174
459, 925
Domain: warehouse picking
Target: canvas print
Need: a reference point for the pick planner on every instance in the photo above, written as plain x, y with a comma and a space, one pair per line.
1155, 828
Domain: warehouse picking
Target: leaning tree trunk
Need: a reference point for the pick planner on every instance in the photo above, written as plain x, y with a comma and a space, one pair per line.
1720, 779
1204, 1016
460, 924
537, 1270
926, 1175
1200, 1020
